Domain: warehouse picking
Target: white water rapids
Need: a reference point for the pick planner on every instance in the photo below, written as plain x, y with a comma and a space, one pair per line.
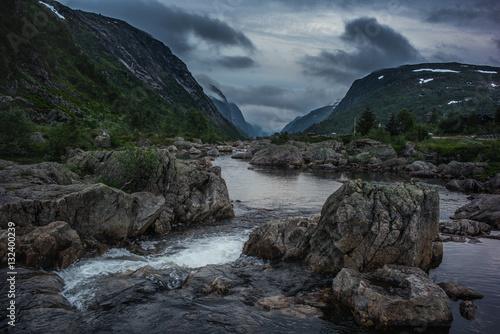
83, 278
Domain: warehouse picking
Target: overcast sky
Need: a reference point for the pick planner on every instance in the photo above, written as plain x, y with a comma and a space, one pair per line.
279, 59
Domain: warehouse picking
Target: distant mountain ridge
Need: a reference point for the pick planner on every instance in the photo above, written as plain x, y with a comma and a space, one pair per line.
231, 112
301, 123
420, 88
84, 65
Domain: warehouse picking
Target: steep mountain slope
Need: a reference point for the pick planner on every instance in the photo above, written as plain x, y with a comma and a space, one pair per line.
230, 111
74, 64
422, 88
316, 116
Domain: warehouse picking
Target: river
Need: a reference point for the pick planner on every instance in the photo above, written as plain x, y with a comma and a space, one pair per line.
264, 194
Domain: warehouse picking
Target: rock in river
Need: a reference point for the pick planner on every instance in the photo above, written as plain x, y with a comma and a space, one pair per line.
484, 208
283, 155
362, 226
393, 296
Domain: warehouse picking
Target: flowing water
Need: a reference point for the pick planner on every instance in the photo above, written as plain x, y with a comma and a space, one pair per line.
266, 194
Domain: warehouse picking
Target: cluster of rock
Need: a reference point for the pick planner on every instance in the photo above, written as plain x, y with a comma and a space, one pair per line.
377, 240
59, 215
368, 155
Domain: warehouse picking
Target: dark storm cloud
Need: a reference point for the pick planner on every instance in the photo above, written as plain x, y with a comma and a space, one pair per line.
376, 46
466, 12
171, 25
236, 62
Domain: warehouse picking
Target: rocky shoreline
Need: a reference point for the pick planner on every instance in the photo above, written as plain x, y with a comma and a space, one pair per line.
366, 253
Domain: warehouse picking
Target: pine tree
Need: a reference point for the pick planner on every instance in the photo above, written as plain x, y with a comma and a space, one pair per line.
405, 120
497, 116
366, 122
392, 126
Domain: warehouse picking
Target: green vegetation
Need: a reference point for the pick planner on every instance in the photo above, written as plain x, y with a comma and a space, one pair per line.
15, 133
280, 139
136, 165
366, 122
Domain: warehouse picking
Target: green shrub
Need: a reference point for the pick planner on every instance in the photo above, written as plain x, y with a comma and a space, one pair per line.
66, 135
138, 164
15, 132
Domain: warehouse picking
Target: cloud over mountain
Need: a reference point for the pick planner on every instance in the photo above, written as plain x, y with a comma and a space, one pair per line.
375, 46
176, 27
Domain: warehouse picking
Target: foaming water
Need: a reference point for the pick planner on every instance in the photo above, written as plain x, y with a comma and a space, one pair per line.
85, 278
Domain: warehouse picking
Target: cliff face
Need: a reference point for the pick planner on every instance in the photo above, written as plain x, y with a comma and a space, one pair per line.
231, 111
79, 64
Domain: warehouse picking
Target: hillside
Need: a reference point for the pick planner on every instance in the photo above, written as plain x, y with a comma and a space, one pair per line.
438, 87
316, 116
229, 110
98, 70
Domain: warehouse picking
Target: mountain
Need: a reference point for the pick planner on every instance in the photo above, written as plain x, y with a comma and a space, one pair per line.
231, 111
421, 88
316, 116
92, 68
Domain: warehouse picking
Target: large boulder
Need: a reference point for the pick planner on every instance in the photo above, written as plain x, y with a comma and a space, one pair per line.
95, 211
483, 208
192, 195
362, 226
393, 296
462, 169
377, 149
464, 227
326, 151
467, 185
421, 169
281, 240
282, 155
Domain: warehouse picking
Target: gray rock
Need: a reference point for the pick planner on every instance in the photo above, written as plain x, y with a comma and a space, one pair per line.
465, 227
225, 148
493, 184
213, 153
96, 212
379, 150
462, 169
362, 226
409, 150
468, 309
483, 208
281, 240
393, 296
102, 140
56, 245
456, 291
242, 156
194, 195
194, 151
183, 145
467, 185
284, 155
